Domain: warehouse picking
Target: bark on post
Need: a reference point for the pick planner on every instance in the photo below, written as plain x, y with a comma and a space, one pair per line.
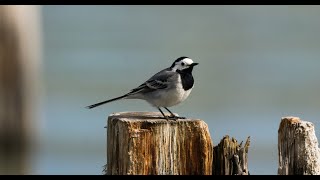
143, 143
298, 149
231, 158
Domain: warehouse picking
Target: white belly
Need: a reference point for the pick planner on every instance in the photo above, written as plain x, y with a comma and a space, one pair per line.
173, 96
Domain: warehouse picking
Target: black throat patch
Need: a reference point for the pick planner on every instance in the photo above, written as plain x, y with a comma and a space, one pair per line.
186, 78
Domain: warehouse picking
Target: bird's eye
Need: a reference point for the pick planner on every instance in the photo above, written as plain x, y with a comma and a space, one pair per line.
182, 63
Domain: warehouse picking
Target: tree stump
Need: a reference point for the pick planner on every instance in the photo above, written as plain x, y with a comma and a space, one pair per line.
298, 149
231, 158
144, 143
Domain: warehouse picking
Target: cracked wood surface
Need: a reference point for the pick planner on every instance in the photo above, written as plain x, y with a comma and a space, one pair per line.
298, 149
231, 158
143, 143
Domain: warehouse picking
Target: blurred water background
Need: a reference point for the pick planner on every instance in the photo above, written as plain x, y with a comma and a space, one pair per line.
257, 64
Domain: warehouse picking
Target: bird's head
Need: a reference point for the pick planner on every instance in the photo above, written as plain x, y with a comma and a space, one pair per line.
183, 63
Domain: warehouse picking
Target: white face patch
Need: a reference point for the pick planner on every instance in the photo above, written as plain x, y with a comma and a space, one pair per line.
183, 64
187, 61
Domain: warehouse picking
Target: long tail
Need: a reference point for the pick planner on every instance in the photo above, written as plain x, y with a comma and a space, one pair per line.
107, 101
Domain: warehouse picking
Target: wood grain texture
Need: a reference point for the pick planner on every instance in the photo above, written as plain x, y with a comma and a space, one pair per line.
298, 149
143, 143
231, 158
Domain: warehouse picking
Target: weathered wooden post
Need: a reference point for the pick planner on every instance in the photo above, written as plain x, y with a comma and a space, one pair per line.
20, 53
230, 158
298, 149
143, 143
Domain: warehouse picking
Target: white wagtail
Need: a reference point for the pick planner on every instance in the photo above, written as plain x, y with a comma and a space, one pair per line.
166, 88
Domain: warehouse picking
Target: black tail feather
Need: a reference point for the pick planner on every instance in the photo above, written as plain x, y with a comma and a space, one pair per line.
104, 102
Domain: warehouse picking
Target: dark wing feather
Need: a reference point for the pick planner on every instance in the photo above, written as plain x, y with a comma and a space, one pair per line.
157, 84
158, 81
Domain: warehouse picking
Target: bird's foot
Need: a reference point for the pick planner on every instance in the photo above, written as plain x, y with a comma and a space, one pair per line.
173, 117
167, 118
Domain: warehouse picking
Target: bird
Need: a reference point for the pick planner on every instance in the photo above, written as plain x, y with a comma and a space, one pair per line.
167, 88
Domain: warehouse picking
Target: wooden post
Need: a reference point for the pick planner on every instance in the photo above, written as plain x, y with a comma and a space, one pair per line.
298, 149
19, 85
143, 143
231, 158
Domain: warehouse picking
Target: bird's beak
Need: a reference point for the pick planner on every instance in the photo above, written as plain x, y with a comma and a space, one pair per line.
194, 64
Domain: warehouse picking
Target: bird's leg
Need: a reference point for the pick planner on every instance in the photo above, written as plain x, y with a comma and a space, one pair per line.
166, 117
174, 116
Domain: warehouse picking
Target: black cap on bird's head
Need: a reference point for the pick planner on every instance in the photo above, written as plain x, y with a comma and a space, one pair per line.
183, 63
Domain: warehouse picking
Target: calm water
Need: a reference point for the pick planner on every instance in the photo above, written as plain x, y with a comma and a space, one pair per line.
257, 64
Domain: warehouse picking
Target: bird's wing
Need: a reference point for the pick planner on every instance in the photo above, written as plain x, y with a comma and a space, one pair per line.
158, 81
